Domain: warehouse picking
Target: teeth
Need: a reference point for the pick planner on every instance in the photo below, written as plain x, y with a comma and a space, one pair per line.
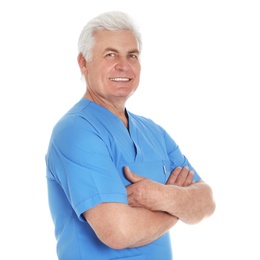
119, 79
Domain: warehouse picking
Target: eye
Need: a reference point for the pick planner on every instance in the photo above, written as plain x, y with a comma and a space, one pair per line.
133, 55
111, 54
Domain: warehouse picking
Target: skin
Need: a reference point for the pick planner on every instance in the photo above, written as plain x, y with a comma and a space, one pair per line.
114, 72
189, 201
112, 76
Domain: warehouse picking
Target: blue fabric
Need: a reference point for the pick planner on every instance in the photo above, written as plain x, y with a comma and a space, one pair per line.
88, 149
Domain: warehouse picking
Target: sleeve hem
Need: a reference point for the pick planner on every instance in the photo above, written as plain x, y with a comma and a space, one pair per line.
98, 199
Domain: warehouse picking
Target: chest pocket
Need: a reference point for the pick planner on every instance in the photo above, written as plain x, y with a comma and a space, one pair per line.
167, 169
158, 171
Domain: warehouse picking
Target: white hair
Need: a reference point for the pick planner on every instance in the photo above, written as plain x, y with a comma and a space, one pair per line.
111, 21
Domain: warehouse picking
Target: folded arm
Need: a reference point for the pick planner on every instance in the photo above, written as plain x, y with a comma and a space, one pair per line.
153, 209
189, 201
120, 226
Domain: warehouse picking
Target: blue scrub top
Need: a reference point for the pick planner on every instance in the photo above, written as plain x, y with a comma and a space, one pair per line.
88, 149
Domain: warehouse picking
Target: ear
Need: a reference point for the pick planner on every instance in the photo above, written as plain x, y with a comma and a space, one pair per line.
82, 64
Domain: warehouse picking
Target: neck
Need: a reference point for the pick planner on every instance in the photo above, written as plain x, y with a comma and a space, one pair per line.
117, 109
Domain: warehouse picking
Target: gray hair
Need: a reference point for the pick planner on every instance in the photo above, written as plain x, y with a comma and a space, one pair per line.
111, 21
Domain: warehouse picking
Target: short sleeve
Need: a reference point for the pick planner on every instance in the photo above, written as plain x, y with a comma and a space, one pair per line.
79, 160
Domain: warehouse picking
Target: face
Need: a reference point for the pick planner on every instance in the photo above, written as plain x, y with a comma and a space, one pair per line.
113, 73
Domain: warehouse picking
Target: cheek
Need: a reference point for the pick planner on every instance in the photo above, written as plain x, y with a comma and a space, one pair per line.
137, 78
137, 71
96, 73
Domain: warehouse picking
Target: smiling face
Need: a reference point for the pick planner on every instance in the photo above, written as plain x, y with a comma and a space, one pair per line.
113, 74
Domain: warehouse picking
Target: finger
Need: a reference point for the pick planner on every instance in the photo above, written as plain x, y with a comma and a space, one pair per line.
132, 177
182, 176
174, 175
189, 179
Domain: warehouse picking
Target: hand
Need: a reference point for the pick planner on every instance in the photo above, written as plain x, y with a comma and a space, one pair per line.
143, 192
181, 177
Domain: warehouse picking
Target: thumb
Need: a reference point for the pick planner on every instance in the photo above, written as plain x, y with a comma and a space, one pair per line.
132, 177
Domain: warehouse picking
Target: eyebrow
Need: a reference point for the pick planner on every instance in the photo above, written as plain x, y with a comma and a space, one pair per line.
115, 50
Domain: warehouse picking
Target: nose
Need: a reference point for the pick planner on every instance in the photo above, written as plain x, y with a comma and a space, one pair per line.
122, 64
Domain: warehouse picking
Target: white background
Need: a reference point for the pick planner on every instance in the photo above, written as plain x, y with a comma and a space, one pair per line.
200, 80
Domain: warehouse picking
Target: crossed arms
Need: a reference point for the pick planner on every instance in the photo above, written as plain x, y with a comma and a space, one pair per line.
152, 209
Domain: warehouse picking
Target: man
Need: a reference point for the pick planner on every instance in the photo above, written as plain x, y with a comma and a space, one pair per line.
117, 182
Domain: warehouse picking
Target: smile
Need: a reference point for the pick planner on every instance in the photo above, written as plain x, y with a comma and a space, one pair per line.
120, 79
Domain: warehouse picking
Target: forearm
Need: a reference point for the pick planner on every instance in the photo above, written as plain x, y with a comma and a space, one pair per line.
125, 226
190, 204
180, 197
148, 226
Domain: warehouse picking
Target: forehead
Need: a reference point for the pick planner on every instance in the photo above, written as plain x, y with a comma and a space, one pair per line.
121, 39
